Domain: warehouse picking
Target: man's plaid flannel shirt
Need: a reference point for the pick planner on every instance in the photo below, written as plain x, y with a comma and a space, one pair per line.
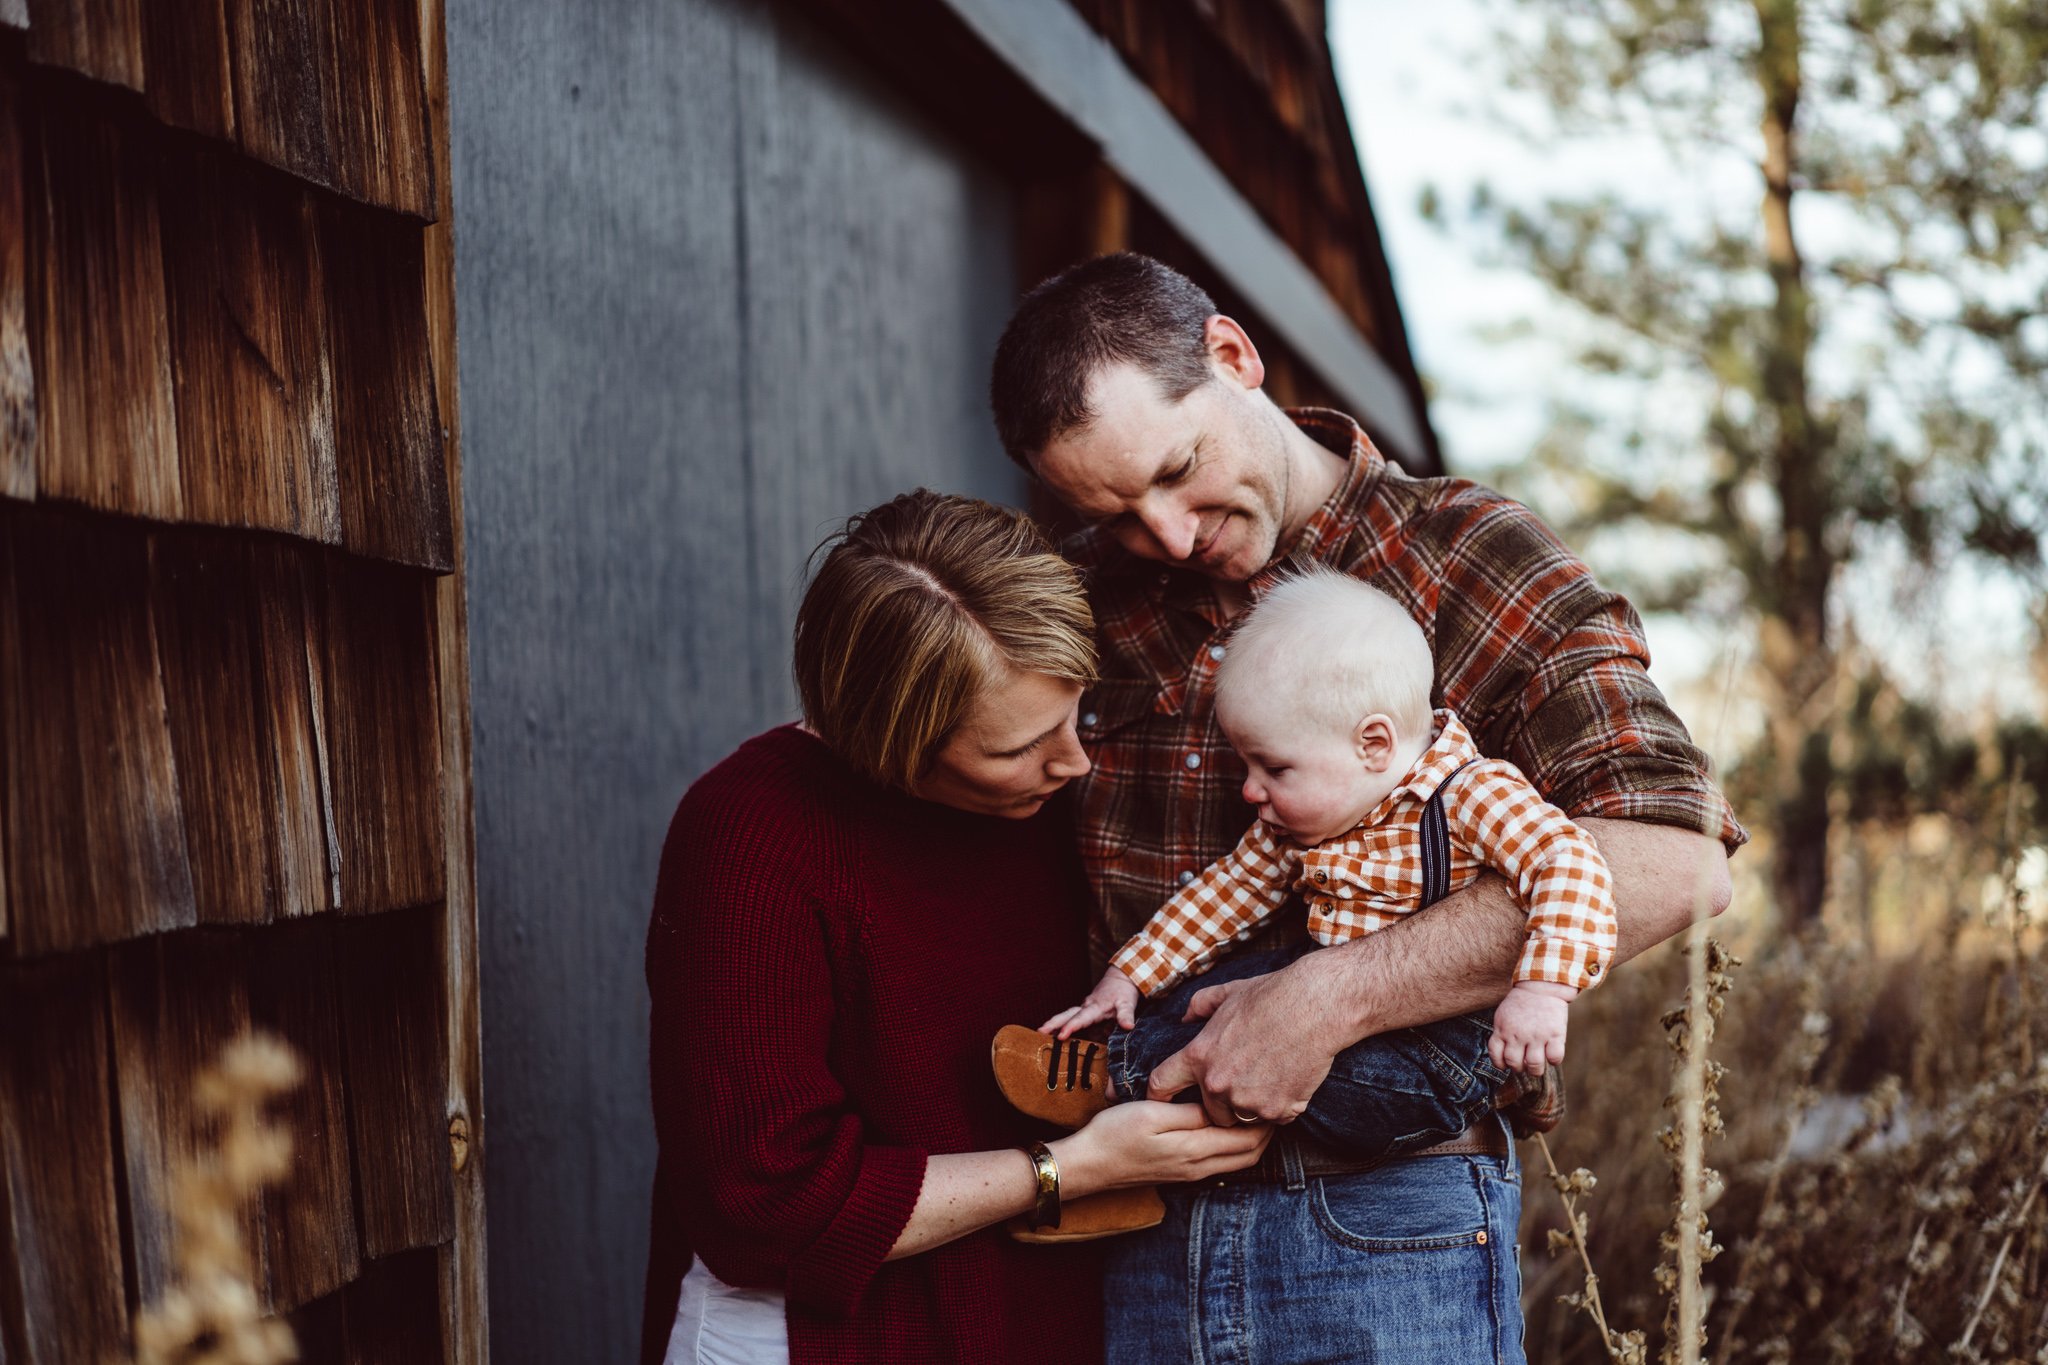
1547, 668
1371, 875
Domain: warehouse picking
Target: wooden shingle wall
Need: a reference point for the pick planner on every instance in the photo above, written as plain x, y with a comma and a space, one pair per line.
233, 691
1251, 80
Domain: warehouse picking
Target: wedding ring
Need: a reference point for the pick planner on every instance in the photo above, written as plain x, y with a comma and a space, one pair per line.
1244, 1118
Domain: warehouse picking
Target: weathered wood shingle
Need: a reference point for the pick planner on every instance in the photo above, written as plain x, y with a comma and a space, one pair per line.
94, 827
62, 1290
397, 1041
106, 423
17, 373
248, 314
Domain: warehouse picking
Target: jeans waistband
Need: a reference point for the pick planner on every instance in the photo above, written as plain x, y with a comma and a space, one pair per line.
1291, 1160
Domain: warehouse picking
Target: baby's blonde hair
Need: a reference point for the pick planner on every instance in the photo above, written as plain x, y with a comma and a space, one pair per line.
1333, 647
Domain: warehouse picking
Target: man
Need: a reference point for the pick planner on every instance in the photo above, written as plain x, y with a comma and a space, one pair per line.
1120, 386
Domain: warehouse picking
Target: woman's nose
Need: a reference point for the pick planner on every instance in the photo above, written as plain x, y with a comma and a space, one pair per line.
1069, 759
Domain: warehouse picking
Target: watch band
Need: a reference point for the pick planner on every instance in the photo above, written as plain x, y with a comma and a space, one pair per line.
1046, 1212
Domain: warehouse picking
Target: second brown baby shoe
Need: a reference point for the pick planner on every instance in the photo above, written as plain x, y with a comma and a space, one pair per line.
1062, 1081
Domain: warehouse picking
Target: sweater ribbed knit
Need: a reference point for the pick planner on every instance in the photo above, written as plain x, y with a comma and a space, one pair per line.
828, 961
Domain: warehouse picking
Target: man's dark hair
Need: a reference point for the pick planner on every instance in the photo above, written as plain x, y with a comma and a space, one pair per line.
1121, 309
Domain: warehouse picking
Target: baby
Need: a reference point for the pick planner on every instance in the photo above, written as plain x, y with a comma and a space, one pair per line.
1372, 807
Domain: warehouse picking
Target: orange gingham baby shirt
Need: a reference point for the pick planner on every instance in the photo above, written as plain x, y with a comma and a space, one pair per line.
1371, 876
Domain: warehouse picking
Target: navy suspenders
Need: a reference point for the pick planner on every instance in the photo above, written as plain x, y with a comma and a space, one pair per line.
1436, 844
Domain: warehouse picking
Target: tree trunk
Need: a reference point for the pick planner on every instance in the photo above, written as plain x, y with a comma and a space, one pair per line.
1797, 651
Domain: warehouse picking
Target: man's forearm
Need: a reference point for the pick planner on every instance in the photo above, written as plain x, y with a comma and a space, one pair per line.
1460, 954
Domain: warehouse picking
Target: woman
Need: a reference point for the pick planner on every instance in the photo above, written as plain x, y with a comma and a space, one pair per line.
847, 912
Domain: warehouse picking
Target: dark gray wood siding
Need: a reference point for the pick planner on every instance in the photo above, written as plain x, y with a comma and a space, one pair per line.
717, 288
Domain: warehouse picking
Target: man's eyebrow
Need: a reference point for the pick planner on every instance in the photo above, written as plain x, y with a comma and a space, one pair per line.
1005, 753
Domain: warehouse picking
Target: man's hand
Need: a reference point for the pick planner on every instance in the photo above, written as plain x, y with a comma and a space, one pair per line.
1528, 1027
1268, 1046
1113, 997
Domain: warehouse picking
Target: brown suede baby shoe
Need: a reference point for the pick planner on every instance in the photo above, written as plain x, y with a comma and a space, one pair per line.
1060, 1081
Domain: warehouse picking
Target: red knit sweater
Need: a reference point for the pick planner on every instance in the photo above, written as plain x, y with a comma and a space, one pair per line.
828, 961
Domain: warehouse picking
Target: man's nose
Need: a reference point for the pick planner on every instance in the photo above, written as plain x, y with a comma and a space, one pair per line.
1171, 528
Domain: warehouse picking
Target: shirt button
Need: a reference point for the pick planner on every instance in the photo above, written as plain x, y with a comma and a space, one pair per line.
1193, 760
1185, 877
1216, 653
1164, 579
1088, 718
1322, 876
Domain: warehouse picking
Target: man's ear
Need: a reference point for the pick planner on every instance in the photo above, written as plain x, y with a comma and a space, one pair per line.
1233, 352
1374, 742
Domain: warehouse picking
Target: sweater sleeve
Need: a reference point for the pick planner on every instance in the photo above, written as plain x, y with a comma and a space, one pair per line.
775, 1180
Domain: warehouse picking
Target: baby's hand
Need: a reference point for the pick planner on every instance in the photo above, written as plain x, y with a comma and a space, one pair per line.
1113, 996
1528, 1027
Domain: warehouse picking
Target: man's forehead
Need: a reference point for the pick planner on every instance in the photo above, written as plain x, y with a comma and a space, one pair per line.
1117, 454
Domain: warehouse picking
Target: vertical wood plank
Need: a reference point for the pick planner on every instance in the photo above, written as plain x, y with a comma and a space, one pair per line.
94, 835
17, 374
255, 390
107, 420
98, 38
465, 1298
63, 1298
188, 68
309, 1245
395, 1030
394, 483
177, 1001
382, 736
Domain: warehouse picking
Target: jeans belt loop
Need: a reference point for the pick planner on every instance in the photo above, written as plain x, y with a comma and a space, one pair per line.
1290, 1163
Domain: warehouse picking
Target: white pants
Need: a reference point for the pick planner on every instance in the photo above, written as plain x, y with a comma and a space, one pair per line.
717, 1324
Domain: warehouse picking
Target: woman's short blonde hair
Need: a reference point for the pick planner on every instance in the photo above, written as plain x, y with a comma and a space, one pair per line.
916, 607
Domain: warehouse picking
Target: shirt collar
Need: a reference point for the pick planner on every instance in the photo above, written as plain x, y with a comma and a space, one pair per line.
1329, 530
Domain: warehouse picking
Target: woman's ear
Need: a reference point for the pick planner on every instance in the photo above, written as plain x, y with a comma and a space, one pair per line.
1375, 742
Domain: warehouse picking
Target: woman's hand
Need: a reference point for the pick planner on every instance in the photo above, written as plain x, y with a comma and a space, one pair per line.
1114, 997
1146, 1142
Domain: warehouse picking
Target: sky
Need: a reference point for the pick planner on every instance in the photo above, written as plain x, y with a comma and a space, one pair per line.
1417, 87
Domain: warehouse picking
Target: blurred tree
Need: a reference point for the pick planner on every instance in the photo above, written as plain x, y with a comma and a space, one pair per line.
1855, 368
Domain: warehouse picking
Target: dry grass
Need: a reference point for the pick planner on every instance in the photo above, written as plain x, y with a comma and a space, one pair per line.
1882, 1134
210, 1315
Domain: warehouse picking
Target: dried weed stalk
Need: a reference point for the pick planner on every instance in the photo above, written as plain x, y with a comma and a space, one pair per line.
1623, 1348
211, 1314
1688, 1244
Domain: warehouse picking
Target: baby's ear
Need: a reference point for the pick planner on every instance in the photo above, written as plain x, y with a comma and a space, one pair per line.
1374, 742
